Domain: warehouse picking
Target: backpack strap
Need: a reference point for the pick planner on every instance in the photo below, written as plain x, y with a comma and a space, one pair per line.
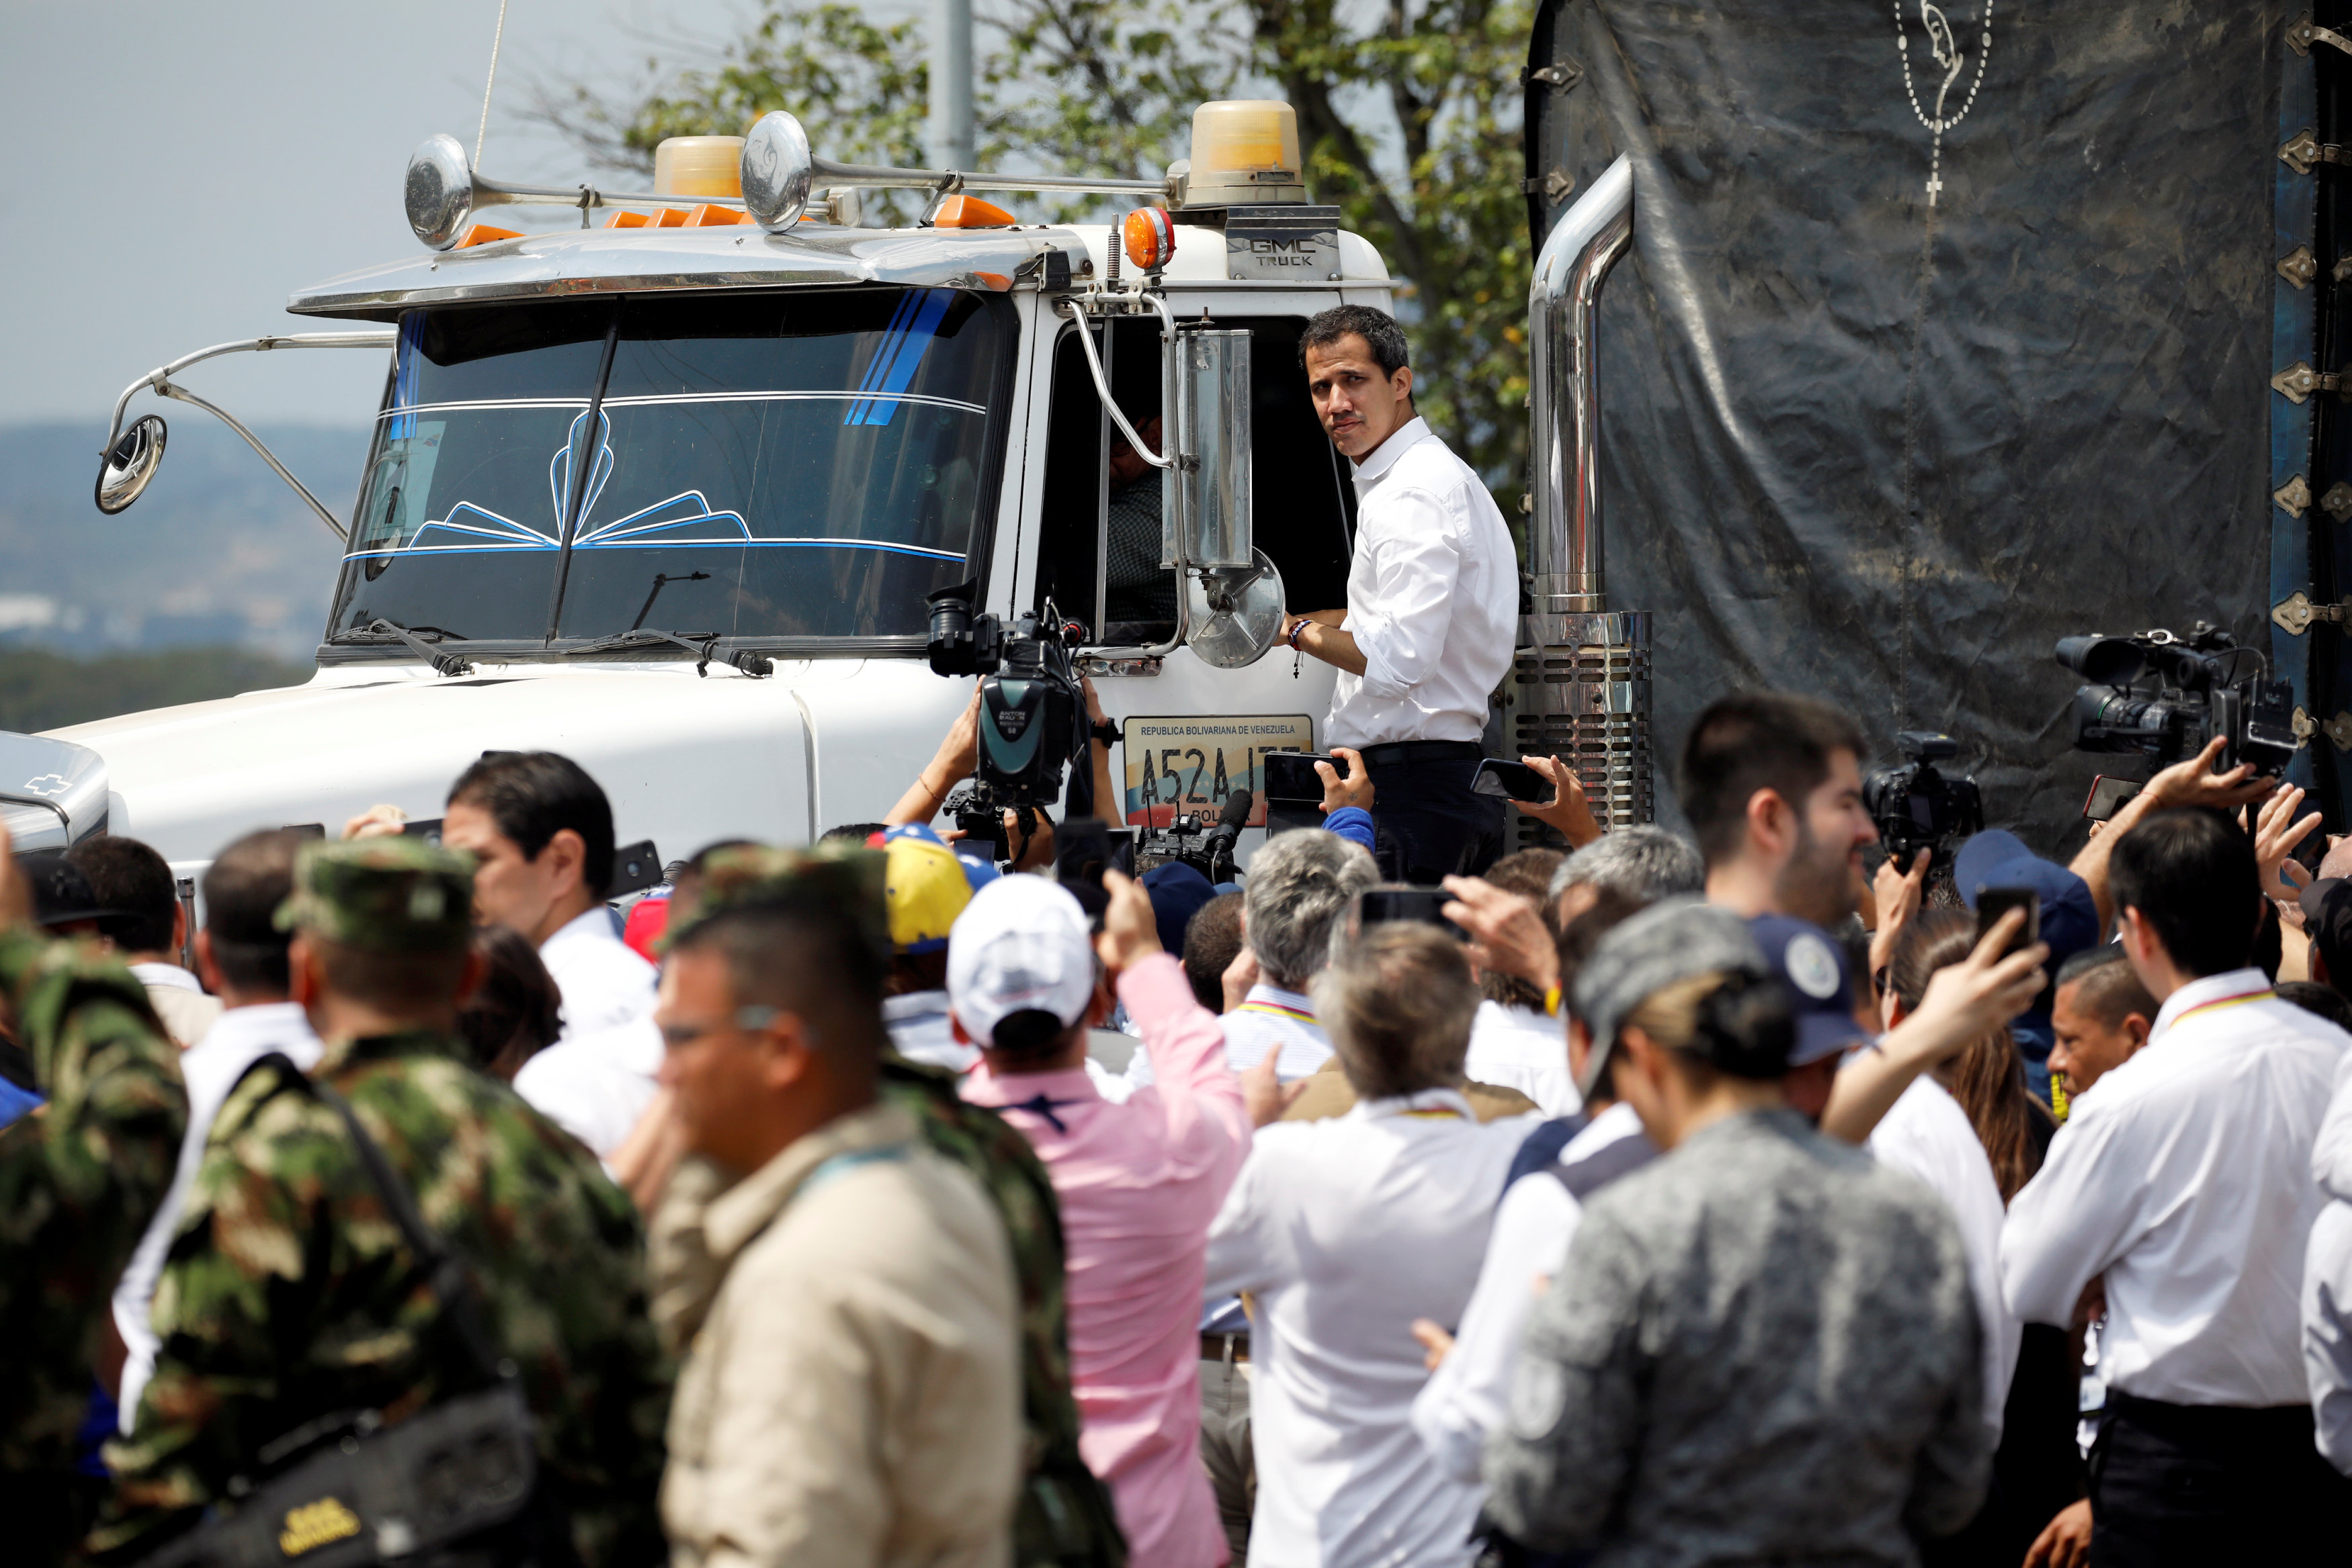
1540, 1149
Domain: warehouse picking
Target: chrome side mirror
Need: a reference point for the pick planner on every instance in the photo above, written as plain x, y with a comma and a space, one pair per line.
1212, 444
438, 191
1233, 592
777, 171
124, 472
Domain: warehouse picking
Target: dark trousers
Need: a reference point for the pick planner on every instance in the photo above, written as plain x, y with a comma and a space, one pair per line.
2205, 1484
1426, 824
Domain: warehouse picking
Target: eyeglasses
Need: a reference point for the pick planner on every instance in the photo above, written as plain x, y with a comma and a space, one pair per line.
751, 1016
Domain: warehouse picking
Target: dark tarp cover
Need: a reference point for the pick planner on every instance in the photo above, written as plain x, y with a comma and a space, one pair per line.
1886, 449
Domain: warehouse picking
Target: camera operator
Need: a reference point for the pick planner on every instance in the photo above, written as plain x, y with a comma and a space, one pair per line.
1029, 846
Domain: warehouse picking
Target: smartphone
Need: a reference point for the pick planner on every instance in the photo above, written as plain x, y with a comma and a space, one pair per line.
425, 827
1291, 776
1992, 903
2107, 797
636, 867
1401, 900
1512, 780
1082, 849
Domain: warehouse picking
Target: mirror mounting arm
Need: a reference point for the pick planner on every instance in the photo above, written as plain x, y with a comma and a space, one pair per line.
160, 381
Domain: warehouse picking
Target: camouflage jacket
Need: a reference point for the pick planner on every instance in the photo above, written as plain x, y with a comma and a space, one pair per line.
1065, 1519
80, 1177
290, 1295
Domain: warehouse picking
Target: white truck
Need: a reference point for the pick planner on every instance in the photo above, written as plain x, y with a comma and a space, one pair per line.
667, 495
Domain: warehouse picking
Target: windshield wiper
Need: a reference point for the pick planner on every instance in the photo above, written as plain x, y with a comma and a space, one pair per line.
703, 645
443, 664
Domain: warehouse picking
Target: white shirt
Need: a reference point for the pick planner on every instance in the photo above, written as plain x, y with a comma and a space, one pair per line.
1348, 1229
920, 1031
1270, 1019
1469, 1395
1433, 597
2328, 1280
605, 981
179, 999
1926, 1134
597, 1078
596, 1086
1523, 1049
2185, 1176
239, 1037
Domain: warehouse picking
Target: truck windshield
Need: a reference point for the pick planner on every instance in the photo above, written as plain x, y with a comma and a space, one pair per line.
786, 465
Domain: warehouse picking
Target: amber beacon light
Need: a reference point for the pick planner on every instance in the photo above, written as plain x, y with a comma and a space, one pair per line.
1151, 238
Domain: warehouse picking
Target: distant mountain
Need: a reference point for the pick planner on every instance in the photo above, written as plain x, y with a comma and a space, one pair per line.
217, 552
41, 690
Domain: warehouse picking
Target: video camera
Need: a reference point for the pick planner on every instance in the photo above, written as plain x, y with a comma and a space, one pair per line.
1917, 808
1033, 713
1204, 845
2167, 696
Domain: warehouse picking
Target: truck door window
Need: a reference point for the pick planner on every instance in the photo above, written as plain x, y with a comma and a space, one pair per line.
777, 465
1097, 521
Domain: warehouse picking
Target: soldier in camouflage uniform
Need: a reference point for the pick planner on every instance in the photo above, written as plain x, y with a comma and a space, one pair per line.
1064, 1517
290, 1294
80, 1179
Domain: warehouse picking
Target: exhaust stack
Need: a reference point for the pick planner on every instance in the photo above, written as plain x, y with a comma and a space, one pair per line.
1582, 671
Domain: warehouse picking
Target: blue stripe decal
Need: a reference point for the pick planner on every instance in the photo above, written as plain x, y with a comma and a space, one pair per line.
404, 373
2293, 326
911, 349
883, 352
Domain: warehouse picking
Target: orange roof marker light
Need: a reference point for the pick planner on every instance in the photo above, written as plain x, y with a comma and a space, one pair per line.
709, 217
483, 233
628, 221
1151, 238
971, 213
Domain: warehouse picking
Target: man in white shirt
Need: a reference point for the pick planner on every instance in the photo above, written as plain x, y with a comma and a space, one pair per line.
1347, 1231
2186, 1180
540, 832
243, 957
1432, 605
149, 926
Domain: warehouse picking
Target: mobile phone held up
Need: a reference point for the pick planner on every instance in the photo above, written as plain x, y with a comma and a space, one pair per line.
1291, 776
2107, 797
1512, 780
1992, 903
1401, 901
1082, 850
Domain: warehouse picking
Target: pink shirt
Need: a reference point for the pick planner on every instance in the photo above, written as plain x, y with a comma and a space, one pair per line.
1138, 1185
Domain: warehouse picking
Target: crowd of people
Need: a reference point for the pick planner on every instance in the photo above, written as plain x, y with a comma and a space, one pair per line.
1668, 1202
1660, 1200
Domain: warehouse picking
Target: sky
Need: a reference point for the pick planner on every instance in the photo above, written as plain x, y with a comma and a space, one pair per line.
176, 168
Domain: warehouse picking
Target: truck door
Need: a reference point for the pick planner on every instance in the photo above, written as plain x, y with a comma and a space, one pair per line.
1101, 514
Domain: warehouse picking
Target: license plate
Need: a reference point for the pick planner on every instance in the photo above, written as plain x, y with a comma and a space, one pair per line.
1187, 765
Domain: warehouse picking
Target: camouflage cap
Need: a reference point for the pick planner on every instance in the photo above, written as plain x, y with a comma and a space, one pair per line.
833, 878
389, 894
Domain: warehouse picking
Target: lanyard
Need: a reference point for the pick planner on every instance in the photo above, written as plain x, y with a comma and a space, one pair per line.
2218, 1002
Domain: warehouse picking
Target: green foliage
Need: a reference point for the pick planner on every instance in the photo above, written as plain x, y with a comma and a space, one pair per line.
41, 690
1410, 124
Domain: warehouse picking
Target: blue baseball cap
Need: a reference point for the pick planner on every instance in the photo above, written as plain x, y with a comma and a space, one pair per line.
1996, 858
1177, 893
1813, 969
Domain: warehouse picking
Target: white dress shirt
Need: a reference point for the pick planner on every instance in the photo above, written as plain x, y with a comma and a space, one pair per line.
920, 1031
1524, 1049
1927, 1135
1469, 1395
1433, 597
1270, 1019
179, 999
2185, 1176
237, 1038
1347, 1231
597, 1078
2328, 1280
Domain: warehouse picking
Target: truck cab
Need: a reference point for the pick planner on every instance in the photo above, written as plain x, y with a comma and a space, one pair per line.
670, 495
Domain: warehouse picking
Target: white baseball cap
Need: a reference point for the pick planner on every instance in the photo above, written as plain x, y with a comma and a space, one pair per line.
1021, 945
